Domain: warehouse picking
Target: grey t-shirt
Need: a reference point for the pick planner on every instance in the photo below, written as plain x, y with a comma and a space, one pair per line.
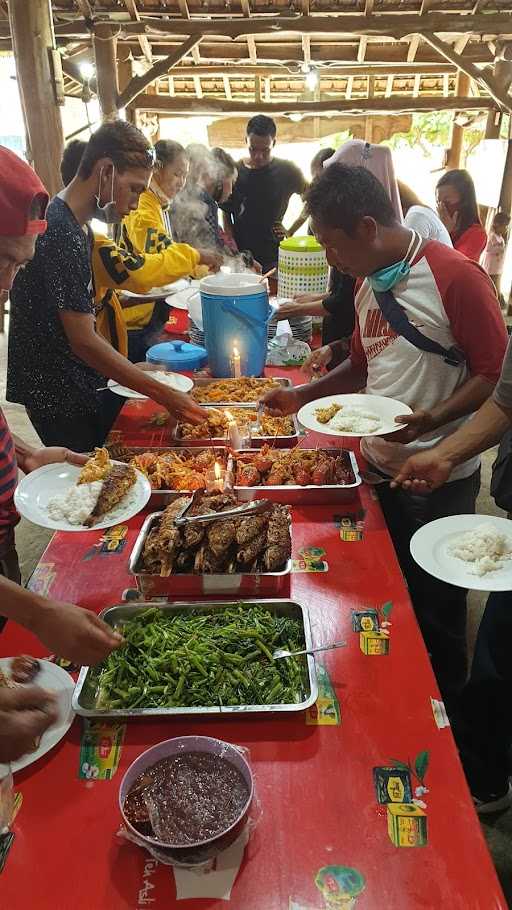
503, 391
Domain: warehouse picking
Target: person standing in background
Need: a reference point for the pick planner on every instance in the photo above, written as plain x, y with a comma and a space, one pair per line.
420, 217
458, 210
493, 258
261, 194
148, 230
316, 167
194, 214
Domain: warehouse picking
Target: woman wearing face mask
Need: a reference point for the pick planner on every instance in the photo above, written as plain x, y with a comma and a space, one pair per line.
147, 230
458, 210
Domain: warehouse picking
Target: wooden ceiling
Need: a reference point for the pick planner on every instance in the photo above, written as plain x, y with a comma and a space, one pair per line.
247, 54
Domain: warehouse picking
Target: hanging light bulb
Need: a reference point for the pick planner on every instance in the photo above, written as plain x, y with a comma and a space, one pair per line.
311, 79
86, 70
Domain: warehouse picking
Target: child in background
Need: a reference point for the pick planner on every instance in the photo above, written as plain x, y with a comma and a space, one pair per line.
494, 254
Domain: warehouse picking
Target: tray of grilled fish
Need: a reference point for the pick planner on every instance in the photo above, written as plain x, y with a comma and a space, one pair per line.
243, 551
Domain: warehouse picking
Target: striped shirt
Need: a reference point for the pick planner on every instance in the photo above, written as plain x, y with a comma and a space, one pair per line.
8, 479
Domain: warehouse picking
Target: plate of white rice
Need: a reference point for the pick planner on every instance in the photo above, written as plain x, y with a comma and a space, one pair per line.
470, 551
353, 415
50, 497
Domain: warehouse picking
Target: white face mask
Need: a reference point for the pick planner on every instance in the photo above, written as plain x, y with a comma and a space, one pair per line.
107, 213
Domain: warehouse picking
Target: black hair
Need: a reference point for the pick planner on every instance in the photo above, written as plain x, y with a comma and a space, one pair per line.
321, 156
226, 162
501, 218
167, 150
344, 194
462, 182
261, 126
120, 141
73, 154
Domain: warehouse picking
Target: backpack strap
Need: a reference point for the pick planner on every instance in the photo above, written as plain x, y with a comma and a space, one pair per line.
396, 316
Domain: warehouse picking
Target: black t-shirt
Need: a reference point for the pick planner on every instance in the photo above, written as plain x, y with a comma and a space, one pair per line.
260, 198
340, 306
43, 373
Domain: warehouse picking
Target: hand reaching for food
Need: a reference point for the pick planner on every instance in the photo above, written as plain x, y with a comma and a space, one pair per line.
74, 633
317, 361
25, 713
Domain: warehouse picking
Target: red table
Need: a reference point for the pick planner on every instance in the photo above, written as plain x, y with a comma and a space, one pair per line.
316, 781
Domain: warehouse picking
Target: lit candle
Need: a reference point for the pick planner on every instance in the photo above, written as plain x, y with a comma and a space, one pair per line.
234, 437
215, 478
236, 363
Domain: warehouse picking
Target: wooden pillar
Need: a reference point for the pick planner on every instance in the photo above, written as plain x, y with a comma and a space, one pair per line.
124, 74
503, 76
454, 157
105, 44
38, 73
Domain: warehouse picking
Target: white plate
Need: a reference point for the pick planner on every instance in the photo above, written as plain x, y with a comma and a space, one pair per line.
36, 489
54, 679
430, 549
156, 293
385, 408
173, 380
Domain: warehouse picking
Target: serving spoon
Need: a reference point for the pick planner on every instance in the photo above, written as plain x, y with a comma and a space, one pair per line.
282, 652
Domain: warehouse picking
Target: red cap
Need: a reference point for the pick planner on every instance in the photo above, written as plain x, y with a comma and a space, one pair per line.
19, 187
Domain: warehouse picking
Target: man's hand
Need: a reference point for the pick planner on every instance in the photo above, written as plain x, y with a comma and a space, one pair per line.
415, 425
281, 401
211, 258
74, 633
279, 231
424, 472
51, 455
317, 361
25, 713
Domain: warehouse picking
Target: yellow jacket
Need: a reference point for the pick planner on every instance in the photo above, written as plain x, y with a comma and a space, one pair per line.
114, 269
146, 231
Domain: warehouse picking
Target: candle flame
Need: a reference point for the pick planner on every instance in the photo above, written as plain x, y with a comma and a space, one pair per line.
217, 470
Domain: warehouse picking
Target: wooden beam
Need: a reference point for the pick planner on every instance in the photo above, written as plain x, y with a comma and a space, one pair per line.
246, 8
413, 48
478, 7
139, 83
160, 103
251, 45
368, 7
184, 10
461, 43
382, 25
34, 45
305, 4
454, 157
105, 47
446, 85
306, 49
227, 88
85, 8
131, 6
389, 87
198, 87
350, 85
417, 85
464, 66
257, 90
361, 51
237, 71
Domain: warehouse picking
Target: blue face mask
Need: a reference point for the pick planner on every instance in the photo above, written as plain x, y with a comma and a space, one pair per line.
386, 278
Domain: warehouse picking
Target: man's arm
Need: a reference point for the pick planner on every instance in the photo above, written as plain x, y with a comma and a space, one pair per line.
29, 457
349, 376
97, 353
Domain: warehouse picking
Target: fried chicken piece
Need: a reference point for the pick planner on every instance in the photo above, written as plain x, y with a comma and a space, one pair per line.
221, 535
96, 468
118, 481
249, 528
247, 556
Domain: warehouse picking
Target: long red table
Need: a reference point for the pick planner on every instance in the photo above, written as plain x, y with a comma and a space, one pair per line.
337, 825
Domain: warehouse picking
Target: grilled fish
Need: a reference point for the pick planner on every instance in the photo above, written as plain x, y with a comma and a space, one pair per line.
116, 484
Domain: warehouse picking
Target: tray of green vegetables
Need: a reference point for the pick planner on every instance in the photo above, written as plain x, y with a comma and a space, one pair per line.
201, 658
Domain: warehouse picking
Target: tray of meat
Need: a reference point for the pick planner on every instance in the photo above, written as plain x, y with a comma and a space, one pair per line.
173, 472
278, 431
243, 553
296, 476
247, 389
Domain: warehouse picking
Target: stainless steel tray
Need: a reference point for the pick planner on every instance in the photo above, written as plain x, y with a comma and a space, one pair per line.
281, 442
198, 383
85, 693
188, 585
161, 498
310, 495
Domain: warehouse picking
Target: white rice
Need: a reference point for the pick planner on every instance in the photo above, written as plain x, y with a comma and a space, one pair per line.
484, 548
76, 505
355, 420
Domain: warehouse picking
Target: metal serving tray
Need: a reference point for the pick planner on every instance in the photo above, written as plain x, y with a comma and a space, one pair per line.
161, 498
314, 494
264, 584
281, 442
201, 383
85, 693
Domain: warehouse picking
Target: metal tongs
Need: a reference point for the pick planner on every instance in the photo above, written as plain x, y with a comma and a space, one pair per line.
248, 508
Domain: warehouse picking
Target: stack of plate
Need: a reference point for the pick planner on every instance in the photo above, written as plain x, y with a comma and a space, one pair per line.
301, 327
